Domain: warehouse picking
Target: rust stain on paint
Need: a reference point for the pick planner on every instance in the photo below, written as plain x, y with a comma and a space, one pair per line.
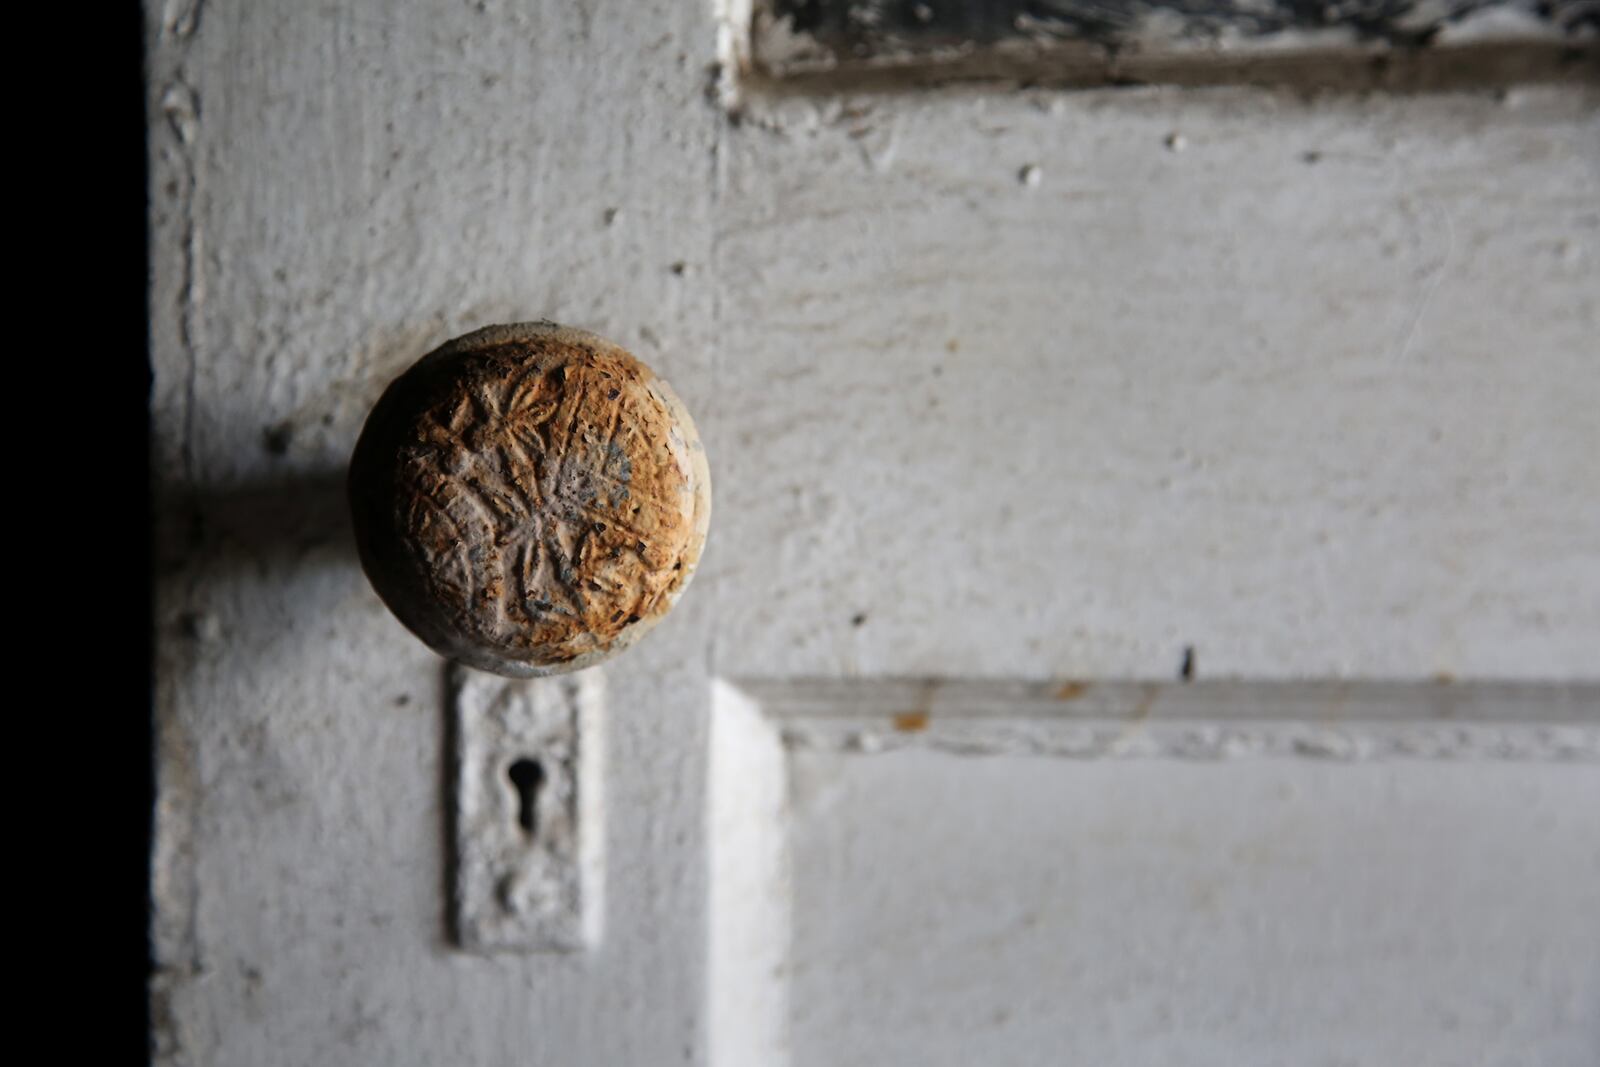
1072, 690
911, 722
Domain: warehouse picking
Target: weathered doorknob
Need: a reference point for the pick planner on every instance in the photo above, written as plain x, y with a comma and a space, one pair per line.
529, 499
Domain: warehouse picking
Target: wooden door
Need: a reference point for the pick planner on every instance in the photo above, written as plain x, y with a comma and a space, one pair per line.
1150, 607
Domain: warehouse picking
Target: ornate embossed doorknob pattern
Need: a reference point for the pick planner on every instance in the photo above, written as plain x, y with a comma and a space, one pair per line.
529, 499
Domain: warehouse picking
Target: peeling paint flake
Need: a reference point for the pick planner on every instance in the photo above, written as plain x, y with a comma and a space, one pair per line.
1323, 720
1139, 39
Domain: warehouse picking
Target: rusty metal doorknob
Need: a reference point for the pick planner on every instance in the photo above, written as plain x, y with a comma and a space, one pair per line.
529, 499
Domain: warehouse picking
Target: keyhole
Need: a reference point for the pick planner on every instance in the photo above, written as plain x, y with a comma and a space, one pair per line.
527, 776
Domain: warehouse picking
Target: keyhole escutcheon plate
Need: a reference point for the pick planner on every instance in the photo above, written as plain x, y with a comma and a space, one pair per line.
526, 784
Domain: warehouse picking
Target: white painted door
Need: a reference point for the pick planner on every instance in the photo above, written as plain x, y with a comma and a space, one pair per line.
1150, 608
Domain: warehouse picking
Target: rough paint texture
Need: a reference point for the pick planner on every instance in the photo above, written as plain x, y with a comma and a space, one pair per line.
529, 499
338, 188
1314, 394
1307, 384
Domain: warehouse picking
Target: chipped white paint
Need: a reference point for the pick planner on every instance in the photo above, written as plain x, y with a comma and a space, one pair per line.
733, 22
1198, 720
778, 47
1314, 396
527, 880
1155, 42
